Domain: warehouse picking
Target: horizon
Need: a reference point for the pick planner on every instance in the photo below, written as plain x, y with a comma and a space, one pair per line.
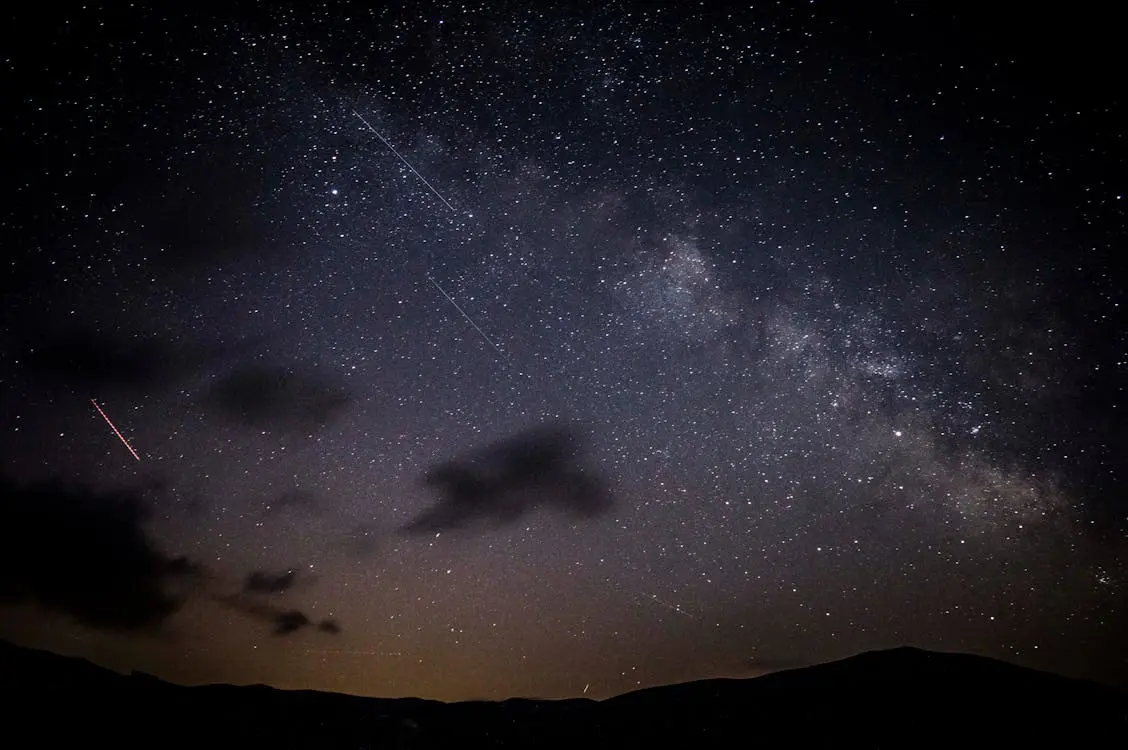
561, 350
853, 659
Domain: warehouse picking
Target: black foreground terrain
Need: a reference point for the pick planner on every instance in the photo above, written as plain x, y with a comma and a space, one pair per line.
903, 698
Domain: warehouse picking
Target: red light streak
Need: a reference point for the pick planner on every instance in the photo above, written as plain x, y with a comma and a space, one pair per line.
115, 429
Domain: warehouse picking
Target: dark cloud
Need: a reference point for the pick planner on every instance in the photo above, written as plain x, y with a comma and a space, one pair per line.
362, 540
261, 582
84, 553
295, 499
265, 396
88, 357
289, 621
499, 484
283, 620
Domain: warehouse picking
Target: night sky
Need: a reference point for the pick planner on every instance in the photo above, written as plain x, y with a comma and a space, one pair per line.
482, 350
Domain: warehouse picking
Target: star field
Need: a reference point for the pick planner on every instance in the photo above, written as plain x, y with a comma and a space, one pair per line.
481, 351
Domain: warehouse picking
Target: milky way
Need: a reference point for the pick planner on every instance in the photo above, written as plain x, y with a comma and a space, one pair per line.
478, 352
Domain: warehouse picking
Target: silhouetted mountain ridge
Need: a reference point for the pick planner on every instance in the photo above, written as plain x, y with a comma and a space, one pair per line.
872, 669
896, 698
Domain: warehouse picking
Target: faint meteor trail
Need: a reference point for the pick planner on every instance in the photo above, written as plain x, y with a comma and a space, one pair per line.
468, 319
414, 171
446, 203
115, 429
672, 607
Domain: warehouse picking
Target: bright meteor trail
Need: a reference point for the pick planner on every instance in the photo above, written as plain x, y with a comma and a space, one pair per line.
405, 161
115, 429
468, 318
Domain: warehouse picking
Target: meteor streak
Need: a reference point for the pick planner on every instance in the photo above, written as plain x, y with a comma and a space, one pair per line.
672, 607
446, 203
115, 429
468, 320
392, 148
